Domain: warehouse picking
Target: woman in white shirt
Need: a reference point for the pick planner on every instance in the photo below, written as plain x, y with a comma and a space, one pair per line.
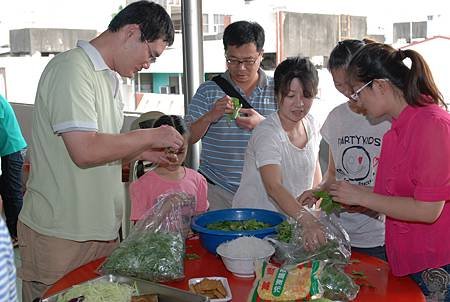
281, 159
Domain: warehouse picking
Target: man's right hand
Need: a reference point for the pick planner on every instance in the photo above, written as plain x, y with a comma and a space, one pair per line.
166, 137
221, 107
199, 128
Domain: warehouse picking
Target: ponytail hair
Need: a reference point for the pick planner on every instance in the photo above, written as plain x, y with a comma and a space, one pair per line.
381, 61
342, 53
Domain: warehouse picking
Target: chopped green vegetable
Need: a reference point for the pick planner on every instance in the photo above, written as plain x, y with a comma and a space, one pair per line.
337, 284
361, 279
238, 225
284, 231
236, 107
151, 256
328, 205
99, 291
192, 256
327, 251
358, 273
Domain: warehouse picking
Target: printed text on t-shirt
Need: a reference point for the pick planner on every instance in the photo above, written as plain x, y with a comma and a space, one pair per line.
359, 140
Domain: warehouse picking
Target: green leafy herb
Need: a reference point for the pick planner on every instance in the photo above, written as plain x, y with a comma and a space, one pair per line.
238, 225
192, 256
358, 274
337, 284
328, 205
151, 256
361, 279
284, 231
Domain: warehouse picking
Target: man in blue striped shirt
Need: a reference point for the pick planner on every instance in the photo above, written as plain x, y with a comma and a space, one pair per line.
7, 268
224, 141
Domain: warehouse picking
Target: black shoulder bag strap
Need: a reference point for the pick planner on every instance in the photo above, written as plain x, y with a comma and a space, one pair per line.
230, 90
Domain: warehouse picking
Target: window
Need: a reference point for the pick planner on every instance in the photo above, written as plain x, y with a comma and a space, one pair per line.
218, 23
143, 82
164, 90
205, 24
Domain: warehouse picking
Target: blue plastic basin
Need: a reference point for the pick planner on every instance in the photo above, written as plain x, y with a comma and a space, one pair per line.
211, 239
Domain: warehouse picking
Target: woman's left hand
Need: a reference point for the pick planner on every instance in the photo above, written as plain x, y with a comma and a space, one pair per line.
313, 236
346, 193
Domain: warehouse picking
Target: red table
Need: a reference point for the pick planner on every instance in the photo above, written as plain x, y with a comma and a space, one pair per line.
383, 286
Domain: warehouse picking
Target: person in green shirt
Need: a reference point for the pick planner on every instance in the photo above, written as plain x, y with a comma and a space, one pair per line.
12, 144
74, 201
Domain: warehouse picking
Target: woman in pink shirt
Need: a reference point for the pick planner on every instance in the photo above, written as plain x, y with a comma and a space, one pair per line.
412, 185
168, 178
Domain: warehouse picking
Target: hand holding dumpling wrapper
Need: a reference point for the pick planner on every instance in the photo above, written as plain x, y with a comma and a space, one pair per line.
236, 107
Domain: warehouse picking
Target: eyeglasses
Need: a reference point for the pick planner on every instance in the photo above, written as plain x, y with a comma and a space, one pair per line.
245, 62
151, 58
355, 96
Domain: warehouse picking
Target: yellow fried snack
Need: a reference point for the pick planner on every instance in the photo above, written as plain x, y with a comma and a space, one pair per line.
211, 288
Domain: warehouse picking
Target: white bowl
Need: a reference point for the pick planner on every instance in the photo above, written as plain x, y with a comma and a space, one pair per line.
243, 267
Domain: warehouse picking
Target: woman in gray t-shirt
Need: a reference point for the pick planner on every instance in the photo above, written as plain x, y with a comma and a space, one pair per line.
354, 149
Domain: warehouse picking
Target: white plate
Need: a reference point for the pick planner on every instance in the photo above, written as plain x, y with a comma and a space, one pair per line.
221, 279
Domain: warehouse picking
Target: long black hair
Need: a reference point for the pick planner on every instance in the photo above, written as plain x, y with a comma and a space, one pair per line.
342, 53
382, 61
175, 121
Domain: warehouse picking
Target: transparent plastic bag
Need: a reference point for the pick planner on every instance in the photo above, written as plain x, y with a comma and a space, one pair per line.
336, 247
313, 280
155, 248
290, 283
336, 284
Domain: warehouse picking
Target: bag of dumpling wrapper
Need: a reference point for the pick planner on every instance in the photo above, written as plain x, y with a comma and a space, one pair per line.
289, 283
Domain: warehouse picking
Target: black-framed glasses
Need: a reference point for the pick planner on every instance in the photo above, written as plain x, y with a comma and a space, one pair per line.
151, 58
355, 96
246, 62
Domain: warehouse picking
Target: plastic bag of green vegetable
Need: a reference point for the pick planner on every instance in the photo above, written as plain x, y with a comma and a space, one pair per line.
290, 246
312, 280
235, 113
337, 285
155, 248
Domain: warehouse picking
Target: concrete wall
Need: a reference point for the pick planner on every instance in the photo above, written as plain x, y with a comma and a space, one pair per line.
22, 76
24, 114
316, 34
409, 31
46, 40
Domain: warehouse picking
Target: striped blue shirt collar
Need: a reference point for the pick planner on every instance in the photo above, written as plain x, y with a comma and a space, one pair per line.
263, 80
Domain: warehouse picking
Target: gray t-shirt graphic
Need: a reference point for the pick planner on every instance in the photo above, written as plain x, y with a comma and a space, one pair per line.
355, 143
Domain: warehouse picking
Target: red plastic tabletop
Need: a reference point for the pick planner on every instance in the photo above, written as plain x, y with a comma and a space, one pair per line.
380, 286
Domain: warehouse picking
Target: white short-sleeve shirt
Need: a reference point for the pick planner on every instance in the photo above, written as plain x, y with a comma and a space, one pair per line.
270, 144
